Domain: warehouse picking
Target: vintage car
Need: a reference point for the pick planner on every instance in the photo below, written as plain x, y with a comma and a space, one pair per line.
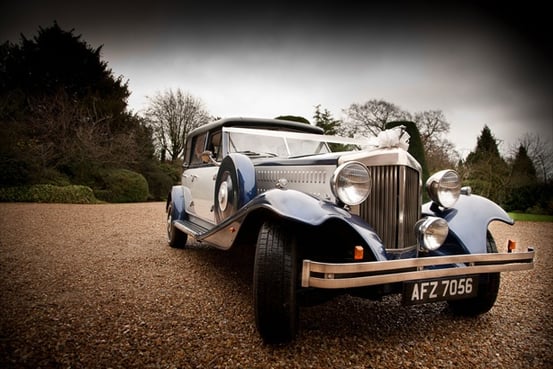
331, 215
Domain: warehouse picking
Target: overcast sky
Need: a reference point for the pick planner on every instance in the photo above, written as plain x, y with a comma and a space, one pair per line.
475, 63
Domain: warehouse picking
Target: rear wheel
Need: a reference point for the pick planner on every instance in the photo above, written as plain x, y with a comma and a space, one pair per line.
175, 238
275, 284
488, 288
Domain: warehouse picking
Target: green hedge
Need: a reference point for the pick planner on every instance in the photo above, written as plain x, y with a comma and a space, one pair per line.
161, 178
535, 199
48, 193
122, 185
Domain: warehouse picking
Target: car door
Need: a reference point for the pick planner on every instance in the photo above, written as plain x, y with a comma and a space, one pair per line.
199, 179
200, 182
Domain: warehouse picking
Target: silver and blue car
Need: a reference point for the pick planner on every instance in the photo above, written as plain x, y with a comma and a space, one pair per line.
331, 215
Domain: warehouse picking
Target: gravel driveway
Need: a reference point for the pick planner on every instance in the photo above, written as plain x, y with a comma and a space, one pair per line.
96, 286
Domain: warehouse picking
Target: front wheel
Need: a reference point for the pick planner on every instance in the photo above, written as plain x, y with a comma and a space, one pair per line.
488, 288
275, 284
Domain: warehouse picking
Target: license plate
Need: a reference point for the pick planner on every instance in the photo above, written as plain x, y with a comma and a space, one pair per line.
431, 290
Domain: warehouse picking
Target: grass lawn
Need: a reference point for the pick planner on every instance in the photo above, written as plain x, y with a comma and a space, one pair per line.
531, 217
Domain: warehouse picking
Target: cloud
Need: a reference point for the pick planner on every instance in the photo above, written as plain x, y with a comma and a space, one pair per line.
479, 64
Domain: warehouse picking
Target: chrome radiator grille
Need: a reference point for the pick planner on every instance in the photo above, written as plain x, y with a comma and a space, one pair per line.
393, 206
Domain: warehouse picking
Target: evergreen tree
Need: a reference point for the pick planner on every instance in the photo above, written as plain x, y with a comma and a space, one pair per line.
65, 112
329, 125
523, 171
526, 193
486, 146
485, 170
57, 61
324, 120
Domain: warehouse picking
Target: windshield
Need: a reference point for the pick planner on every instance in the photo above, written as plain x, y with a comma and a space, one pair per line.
284, 144
270, 146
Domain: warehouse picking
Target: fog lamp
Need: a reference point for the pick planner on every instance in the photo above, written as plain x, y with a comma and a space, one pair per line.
431, 232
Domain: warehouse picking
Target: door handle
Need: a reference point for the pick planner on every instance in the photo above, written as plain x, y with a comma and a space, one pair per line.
191, 176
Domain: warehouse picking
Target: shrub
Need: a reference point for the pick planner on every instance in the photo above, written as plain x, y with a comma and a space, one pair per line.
49, 194
14, 171
173, 170
161, 177
159, 183
122, 185
53, 177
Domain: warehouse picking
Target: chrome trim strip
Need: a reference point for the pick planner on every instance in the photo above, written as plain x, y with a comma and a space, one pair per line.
392, 271
402, 208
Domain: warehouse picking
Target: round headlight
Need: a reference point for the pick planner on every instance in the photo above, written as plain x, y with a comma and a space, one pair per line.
431, 232
351, 183
444, 187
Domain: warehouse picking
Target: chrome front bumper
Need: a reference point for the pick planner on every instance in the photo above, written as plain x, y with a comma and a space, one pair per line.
348, 275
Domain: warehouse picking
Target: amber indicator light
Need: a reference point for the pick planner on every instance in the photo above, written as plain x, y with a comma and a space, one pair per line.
358, 253
511, 246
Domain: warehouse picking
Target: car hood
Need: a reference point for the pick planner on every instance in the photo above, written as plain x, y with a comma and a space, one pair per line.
321, 159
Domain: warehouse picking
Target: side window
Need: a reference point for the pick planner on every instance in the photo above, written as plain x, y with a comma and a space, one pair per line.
198, 146
215, 145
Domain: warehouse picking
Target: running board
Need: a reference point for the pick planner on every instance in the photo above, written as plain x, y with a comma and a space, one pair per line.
189, 228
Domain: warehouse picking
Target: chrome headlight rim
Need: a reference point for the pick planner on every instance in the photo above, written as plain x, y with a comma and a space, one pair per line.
345, 188
444, 187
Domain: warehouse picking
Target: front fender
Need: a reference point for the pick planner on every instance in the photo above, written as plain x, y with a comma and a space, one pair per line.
469, 220
298, 206
305, 209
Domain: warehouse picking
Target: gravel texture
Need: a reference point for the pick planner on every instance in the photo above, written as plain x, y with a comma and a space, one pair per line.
96, 286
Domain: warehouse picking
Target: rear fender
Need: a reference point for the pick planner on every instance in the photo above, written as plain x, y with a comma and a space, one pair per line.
469, 220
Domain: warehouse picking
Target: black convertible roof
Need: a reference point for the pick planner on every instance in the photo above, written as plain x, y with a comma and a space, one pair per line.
262, 123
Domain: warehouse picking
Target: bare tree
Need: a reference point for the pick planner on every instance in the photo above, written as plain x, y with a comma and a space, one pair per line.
172, 115
440, 152
541, 153
432, 125
370, 118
